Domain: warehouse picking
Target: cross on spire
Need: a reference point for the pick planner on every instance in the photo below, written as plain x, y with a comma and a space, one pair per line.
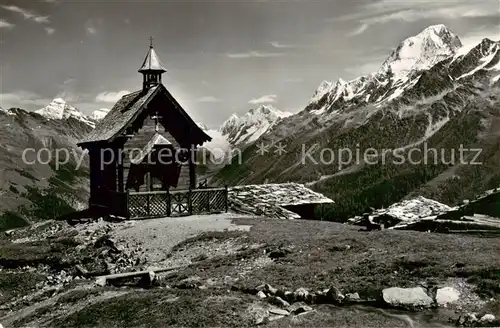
151, 42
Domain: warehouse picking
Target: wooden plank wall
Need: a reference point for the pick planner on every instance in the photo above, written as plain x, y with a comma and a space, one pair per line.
139, 141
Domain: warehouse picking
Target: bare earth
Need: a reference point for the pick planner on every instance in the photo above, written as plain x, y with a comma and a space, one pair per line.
225, 257
157, 237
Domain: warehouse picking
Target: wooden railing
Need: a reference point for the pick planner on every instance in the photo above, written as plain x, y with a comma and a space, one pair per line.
150, 204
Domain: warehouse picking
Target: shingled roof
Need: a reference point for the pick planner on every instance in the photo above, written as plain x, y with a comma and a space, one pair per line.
270, 200
119, 116
125, 111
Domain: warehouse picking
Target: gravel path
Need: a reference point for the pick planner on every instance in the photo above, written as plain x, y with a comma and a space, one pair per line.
156, 237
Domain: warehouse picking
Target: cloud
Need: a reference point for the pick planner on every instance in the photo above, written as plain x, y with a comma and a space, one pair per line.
69, 81
208, 99
363, 27
92, 24
5, 24
254, 54
27, 14
387, 11
264, 99
111, 97
22, 98
50, 30
276, 44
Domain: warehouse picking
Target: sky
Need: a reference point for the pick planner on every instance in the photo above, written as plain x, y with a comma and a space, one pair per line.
222, 57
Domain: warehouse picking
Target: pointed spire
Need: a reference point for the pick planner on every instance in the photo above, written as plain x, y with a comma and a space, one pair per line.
152, 63
151, 68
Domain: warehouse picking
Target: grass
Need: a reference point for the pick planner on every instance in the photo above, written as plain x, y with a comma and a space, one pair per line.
13, 189
163, 309
323, 254
15, 284
75, 296
11, 220
55, 201
55, 253
208, 236
26, 174
312, 254
381, 185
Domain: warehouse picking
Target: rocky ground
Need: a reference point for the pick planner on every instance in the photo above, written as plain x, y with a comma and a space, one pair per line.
245, 271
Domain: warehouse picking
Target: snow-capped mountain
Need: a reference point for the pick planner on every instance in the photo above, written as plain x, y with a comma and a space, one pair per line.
401, 70
59, 109
24, 181
99, 114
421, 52
430, 93
245, 129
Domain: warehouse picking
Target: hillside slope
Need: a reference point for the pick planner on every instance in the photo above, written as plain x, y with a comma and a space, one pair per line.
372, 141
32, 186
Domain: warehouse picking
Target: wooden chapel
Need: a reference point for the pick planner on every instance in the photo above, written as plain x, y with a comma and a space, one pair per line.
147, 142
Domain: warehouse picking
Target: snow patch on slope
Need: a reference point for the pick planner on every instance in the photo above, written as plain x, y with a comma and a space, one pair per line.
483, 61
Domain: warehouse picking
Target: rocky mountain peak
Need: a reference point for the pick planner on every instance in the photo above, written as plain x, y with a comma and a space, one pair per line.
59, 109
251, 125
324, 88
434, 44
398, 72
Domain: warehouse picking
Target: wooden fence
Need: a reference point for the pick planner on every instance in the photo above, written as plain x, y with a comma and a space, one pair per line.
149, 204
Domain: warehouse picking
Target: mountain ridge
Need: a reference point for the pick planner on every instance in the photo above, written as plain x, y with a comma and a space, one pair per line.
60, 109
247, 128
450, 103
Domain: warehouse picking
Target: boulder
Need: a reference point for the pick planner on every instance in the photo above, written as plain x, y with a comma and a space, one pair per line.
447, 295
278, 311
312, 298
487, 318
270, 289
275, 317
152, 277
299, 307
261, 294
334, 296
101, 281
189, 283
352, 297
300, 294
407, 297
288, 295
276, 300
